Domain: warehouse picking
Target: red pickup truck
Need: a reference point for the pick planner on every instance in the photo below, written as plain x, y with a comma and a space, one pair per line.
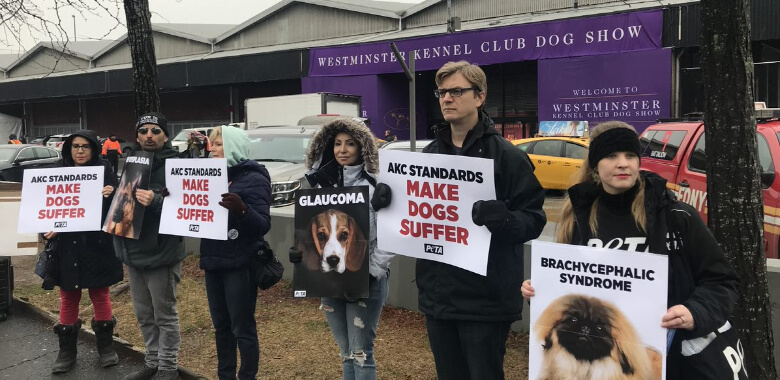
675, 150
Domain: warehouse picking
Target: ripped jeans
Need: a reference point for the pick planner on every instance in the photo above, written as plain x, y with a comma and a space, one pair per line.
353, 325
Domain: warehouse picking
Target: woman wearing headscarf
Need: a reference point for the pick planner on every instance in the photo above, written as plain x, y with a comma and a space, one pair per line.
230, 285
86, 261
614, 201
344, 153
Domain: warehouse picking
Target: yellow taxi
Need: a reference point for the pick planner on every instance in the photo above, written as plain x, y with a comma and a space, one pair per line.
557, 159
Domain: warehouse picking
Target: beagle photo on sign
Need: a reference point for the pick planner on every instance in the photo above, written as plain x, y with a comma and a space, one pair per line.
332, 235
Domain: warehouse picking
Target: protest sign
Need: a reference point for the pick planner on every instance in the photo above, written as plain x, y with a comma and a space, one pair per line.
126, 215
192, 208
332, 232
596, 311
430, 215
66, 199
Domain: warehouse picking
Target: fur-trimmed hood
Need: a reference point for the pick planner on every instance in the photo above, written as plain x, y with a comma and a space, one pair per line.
321, 146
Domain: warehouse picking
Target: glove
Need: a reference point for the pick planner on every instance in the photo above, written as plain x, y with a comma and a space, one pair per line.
234, 204
164, 192
492, 214
382, 196
296, 256
326, 176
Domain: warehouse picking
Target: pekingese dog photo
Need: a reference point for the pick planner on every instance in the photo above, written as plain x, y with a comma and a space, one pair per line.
585, 338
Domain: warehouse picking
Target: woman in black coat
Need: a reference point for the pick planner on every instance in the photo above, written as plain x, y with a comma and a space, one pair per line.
86, 261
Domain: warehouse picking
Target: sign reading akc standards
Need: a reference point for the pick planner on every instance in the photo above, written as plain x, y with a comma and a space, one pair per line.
66, 199
430, 214
192, 208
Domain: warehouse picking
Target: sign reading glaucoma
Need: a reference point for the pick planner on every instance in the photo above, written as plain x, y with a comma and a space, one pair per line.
430, 213
64, 199
333, 234
597, 311
192, 208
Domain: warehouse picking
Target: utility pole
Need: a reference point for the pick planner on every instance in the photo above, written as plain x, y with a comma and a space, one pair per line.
74, 27
410, 75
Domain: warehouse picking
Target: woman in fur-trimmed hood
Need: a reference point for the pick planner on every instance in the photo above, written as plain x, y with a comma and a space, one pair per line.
344, 153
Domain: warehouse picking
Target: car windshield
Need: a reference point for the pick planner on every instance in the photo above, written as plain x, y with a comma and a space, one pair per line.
7, 154
183, 135
290, 148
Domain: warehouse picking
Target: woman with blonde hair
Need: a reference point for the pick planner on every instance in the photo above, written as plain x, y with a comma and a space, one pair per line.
615, 205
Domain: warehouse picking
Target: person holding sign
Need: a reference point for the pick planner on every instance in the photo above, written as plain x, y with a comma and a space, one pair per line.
343, 154
615, 205
86, 261
154, 261
467, 315
230, 288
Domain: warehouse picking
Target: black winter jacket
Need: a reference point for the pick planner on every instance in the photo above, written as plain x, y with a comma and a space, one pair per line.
152, 249
87, 258
449, 292
700, 278
250, 181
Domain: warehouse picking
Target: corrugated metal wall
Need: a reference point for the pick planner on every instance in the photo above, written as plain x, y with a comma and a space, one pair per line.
305, 22
47, 61
165, 46
682, 24
469, 10
117, 56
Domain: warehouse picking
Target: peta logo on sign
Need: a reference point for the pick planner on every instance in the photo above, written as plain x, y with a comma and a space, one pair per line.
435, 249
60, 224
299, 293
194, 228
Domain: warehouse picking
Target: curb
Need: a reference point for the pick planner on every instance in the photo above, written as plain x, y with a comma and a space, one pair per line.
121, 346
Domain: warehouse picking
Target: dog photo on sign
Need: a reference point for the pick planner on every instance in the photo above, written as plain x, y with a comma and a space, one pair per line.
332, 234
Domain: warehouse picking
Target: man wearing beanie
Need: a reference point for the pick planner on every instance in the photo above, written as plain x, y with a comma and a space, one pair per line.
154, 261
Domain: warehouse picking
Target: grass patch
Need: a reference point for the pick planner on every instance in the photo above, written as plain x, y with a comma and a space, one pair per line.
295, 341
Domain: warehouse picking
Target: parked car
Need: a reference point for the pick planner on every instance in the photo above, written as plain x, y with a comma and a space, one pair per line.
40, 140
323, 119
283, 152
55, 141
556, 159
179, 142
14, 159
675, 150
419, 145
126, 146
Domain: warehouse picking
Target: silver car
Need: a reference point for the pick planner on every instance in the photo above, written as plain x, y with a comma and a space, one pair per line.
419, 145
283, 152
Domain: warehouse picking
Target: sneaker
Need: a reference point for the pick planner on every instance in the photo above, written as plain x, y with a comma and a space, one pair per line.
166, 375
144, 374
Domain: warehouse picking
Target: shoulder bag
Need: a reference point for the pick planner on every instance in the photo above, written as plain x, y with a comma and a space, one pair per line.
268, 270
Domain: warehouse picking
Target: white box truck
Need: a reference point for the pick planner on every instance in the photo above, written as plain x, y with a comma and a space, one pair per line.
288, 109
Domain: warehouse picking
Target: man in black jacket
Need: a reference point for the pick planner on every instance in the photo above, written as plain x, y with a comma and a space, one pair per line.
468, 316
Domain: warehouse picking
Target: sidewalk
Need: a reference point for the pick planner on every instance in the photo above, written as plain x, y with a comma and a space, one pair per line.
28, 348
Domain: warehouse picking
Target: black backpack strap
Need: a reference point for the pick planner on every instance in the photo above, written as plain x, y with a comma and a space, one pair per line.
369, 178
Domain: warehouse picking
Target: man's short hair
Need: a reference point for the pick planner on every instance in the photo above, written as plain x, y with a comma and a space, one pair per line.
473, 74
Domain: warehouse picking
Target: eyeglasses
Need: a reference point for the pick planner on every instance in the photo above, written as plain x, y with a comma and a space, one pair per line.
85, 147
144, 130
454, 92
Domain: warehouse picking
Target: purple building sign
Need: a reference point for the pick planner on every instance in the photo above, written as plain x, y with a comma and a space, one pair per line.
633, 87
557, 39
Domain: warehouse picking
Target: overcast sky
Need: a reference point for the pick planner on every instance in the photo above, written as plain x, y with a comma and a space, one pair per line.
163, 11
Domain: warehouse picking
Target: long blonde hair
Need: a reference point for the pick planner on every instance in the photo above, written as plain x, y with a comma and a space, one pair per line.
565, 228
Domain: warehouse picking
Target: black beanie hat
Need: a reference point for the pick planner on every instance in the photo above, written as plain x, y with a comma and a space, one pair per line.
611, 141
155, 118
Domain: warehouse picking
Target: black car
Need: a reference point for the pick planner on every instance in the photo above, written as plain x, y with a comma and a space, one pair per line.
14, 159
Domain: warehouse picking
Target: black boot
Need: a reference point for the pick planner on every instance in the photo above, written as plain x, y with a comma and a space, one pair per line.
104, 335
68, 335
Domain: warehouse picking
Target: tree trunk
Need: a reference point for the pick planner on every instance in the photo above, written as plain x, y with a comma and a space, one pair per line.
735, 200
139, 38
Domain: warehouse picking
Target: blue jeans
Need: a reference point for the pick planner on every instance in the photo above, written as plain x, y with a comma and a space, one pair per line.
232, 295
468, 349
353, 325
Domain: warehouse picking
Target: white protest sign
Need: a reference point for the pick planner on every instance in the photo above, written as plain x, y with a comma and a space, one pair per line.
66, 199
596, 310
430, 214
192, 208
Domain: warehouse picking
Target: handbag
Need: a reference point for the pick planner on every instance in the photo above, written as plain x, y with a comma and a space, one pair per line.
267, 268
717, 355
47, 267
